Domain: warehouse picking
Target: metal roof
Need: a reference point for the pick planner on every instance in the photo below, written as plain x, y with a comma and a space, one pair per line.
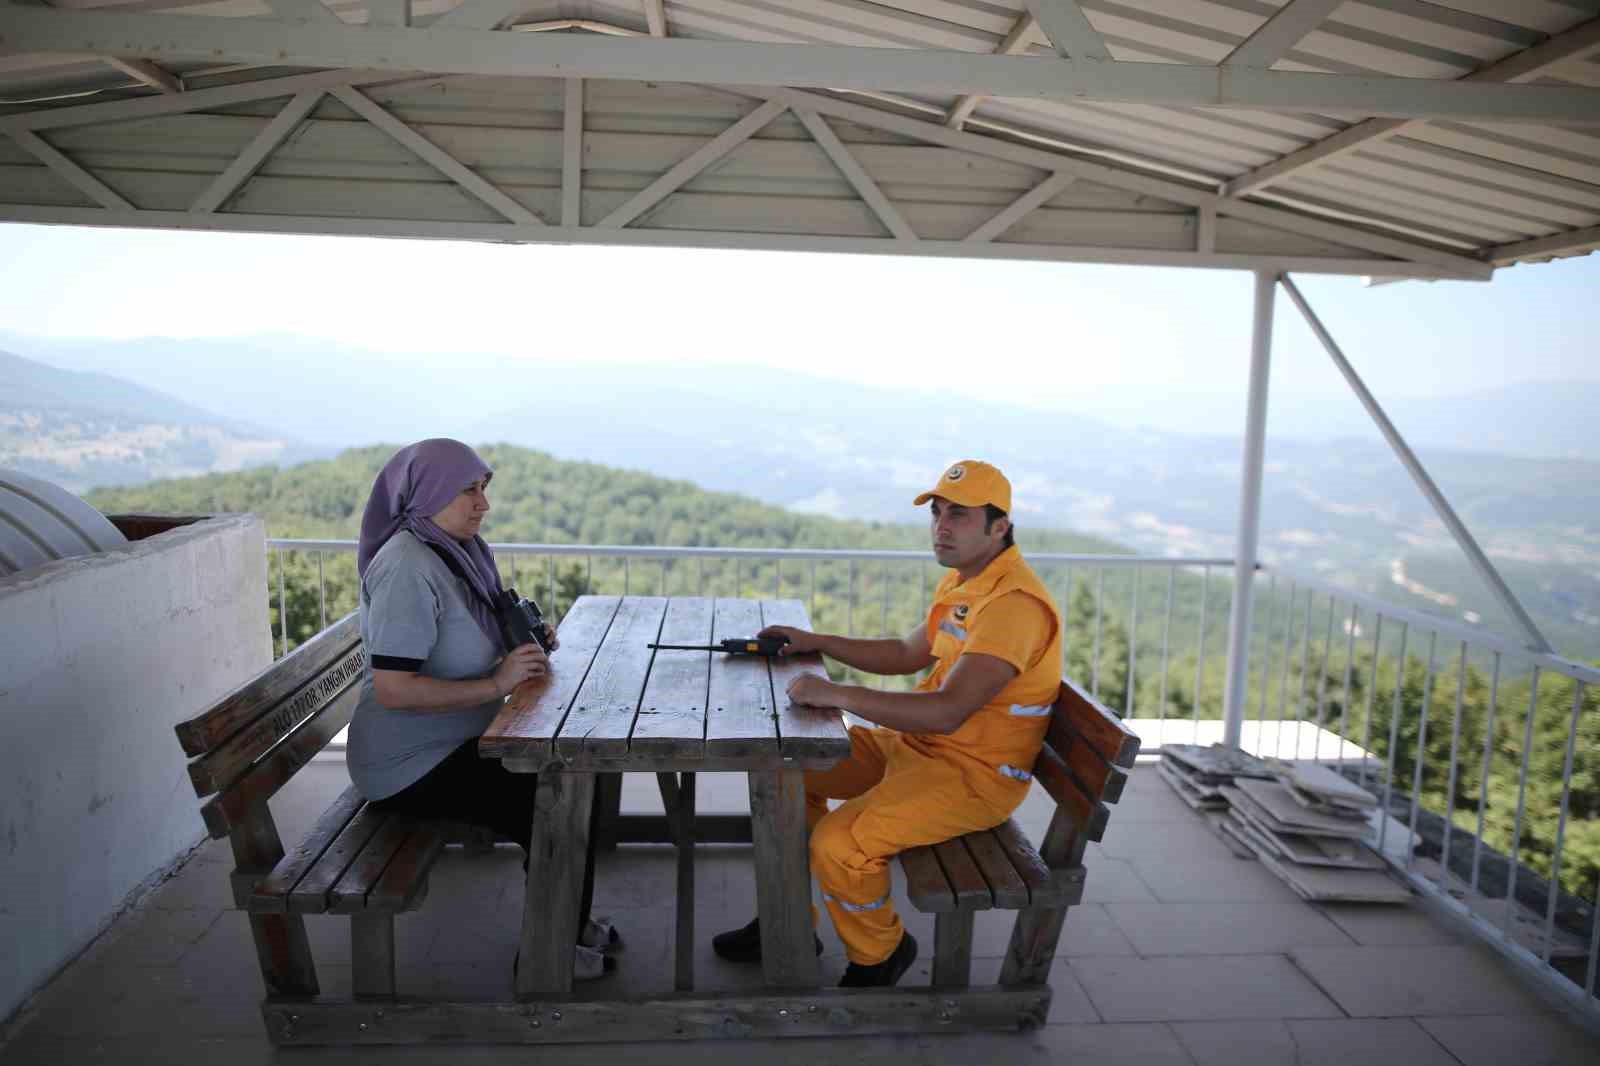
1389, 137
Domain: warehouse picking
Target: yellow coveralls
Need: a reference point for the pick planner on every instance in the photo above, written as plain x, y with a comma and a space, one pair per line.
905, 789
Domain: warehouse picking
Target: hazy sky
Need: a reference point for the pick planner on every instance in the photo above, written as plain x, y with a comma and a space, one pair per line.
1030, 332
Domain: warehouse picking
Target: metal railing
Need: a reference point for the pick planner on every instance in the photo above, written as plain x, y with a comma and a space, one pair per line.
1480, 824
1469, 740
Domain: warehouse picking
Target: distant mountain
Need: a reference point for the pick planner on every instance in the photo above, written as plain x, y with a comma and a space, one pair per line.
1539, 419
454, 392
81, 429
1336, 501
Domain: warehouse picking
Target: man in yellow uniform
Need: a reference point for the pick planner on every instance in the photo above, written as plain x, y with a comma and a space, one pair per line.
951, 757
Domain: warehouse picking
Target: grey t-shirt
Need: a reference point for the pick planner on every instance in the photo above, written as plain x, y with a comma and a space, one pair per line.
414, 615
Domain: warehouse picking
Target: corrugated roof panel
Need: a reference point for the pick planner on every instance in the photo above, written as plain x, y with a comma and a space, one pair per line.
1448, 181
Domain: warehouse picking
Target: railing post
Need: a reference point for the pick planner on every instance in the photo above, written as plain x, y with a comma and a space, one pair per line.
1244, 556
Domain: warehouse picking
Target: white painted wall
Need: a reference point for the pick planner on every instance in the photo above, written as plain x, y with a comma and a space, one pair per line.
99, 657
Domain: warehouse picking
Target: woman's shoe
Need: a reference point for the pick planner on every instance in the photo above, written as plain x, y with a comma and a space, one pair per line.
601, 935
587, 964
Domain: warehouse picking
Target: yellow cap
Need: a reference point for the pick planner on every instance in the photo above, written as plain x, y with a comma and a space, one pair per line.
971, 483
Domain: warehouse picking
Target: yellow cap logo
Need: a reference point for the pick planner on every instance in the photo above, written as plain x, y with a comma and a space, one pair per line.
960, 612
955, 473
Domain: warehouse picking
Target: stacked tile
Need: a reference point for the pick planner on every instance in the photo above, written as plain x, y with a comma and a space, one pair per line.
1307, 827
1199, 775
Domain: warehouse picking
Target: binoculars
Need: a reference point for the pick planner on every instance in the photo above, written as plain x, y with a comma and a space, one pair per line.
520, 621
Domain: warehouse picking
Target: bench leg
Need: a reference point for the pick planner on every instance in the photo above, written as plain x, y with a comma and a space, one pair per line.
372, 954
284, 952
556, 860
1033, 946
282, 947
952, 949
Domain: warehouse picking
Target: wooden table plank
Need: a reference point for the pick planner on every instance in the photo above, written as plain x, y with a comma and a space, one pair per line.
739, 718
672, 712
602, 715
529, 720
802, 730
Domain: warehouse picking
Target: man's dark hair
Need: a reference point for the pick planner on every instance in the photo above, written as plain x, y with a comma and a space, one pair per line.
990, 514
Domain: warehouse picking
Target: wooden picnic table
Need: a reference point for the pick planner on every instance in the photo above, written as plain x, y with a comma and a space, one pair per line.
610, 703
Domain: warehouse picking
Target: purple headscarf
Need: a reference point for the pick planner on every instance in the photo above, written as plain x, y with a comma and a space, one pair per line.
417, 483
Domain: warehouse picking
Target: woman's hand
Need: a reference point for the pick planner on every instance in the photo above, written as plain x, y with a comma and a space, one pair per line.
520, 664
550, 635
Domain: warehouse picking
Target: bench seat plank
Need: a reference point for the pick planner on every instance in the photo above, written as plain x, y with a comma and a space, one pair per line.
926, 884
1006, 886
271, 894
310, 896
401, 884
971, 890
1024, 858
349, 895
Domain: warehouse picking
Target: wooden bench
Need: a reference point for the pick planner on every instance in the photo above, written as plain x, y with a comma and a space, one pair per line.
356, 860
1083, 767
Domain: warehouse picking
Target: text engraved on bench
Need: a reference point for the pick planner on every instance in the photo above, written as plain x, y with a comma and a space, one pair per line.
222, 765
739, 714
672, 711
802, 730
602, 713
203, 732
258, 784
524, 727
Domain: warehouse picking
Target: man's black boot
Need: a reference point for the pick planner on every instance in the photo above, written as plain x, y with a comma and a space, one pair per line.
882, 974
744, 945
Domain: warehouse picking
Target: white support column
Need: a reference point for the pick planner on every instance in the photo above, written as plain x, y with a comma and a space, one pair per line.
1408, 458
1249, 534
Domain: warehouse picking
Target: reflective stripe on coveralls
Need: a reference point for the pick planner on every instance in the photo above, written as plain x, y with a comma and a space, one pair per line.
856, 908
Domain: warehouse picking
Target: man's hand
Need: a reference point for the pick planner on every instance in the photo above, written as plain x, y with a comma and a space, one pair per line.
801, 641
812, 691
550, 635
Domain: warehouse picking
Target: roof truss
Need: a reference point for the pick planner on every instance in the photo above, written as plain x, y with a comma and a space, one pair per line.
632, 222
443, 49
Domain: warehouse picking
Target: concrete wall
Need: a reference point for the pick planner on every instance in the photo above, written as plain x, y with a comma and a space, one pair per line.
99, 657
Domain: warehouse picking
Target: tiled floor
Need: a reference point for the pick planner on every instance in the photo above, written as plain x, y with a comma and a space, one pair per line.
1180, 953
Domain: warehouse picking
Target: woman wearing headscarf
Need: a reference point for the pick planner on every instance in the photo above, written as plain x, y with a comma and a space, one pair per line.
438, 666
